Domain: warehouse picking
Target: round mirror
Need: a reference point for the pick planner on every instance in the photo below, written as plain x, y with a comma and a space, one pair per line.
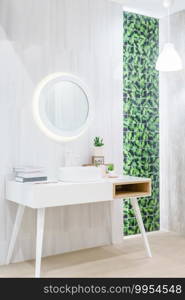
62, 107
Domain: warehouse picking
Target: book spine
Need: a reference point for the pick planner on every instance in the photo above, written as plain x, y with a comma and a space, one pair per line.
28, 171
22, 179
24, 170
30, 175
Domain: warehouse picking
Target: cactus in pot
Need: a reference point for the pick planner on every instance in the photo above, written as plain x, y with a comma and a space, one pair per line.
98, 146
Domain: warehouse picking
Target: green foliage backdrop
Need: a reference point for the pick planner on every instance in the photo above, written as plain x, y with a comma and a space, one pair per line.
141, 114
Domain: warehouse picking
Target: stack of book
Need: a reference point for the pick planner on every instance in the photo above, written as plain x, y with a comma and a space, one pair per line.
29, 174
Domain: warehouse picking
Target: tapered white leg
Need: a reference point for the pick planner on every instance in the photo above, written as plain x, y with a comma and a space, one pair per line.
141, 226
17, 224
39, 240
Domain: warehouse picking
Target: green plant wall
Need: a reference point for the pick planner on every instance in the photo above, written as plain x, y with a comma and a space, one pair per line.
141, 114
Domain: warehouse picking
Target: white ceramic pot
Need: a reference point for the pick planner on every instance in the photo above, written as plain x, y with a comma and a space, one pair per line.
112, 174
99, 151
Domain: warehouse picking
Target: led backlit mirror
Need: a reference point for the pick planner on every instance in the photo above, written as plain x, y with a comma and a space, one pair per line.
62, 107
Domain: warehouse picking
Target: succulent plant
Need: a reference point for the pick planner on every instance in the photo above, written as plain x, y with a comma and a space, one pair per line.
98, 142
111, 167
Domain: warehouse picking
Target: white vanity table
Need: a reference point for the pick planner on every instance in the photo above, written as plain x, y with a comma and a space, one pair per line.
63, 111
41, 196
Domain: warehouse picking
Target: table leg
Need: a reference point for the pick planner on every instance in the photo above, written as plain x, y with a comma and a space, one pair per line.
39, 241
17, 224
135, 205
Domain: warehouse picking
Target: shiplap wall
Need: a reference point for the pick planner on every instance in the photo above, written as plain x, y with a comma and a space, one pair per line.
39, 37
172, 132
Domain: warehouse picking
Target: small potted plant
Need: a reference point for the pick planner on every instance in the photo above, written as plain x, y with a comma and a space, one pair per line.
98, 146
111, 171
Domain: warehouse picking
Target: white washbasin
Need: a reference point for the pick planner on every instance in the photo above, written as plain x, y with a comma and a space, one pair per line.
80, 174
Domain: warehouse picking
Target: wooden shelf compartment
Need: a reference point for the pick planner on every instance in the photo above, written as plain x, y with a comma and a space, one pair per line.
132, 189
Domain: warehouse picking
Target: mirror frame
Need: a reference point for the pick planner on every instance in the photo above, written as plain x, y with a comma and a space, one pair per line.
36, 107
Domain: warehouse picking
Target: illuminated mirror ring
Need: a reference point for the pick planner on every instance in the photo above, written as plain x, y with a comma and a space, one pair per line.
62, 107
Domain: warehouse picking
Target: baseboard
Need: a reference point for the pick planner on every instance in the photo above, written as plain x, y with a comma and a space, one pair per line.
140, 235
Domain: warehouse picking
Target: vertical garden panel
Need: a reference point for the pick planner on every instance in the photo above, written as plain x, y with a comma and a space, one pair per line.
141, 114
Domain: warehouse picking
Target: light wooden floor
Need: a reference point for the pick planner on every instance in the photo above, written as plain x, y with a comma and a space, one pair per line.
125, 260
